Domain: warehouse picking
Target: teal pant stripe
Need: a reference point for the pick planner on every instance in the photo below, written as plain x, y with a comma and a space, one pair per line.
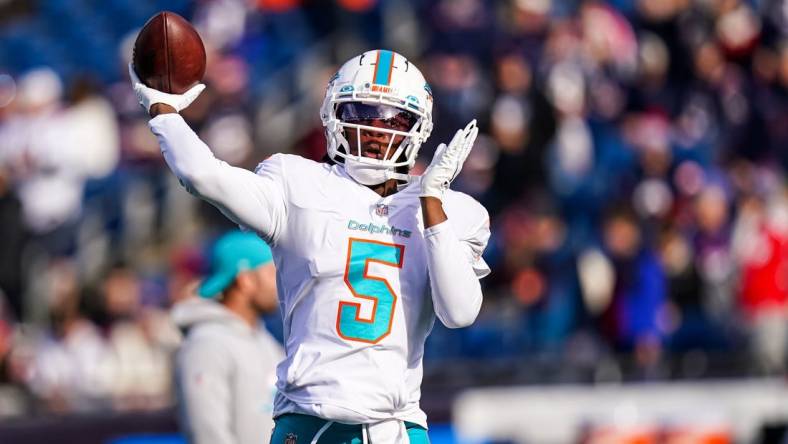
301, 429
383, 68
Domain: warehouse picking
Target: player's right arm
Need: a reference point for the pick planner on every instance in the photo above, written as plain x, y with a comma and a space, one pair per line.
246, 198
251, 200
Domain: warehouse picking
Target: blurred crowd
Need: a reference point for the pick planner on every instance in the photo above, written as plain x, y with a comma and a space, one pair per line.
633, 159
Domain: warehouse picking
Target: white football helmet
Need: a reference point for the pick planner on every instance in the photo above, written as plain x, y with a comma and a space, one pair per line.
385, 84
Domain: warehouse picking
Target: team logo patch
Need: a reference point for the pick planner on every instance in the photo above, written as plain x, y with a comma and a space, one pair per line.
291, 438
381, 209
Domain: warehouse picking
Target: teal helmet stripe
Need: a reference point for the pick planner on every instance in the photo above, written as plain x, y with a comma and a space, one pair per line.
383, 68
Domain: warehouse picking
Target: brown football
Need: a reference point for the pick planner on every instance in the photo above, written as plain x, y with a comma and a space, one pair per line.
168, 54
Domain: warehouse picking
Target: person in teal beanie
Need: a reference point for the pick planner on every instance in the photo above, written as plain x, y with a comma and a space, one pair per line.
226, 366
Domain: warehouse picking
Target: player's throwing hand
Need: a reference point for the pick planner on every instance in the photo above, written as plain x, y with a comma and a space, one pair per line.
447, 162
149, 96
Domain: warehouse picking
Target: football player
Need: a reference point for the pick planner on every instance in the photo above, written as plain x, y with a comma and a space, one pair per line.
366, 255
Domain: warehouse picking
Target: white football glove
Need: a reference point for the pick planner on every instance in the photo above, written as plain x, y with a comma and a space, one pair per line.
447, 162
149, 96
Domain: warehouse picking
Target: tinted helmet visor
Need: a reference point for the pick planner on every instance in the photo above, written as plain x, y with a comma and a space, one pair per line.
362, 113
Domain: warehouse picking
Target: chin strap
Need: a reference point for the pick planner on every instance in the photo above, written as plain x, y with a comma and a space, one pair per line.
406, 178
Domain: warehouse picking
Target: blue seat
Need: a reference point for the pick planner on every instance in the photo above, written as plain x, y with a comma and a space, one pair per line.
149, 439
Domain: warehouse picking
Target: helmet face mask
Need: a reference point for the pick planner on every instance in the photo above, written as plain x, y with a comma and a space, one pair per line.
395, 125
378, 91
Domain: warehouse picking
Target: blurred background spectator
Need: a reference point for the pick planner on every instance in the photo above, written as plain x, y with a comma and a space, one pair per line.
633, 157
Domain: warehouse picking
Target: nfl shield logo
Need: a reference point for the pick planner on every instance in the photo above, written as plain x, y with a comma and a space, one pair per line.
381, 209
291, 438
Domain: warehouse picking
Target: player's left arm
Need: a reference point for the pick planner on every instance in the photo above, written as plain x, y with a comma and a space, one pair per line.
453, 259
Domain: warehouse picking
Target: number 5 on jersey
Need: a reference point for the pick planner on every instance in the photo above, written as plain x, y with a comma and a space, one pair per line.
361, 253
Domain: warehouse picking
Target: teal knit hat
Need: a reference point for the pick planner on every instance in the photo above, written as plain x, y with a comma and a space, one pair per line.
233, 253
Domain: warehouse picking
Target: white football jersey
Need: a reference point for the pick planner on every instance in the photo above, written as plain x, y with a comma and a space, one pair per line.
354, 289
